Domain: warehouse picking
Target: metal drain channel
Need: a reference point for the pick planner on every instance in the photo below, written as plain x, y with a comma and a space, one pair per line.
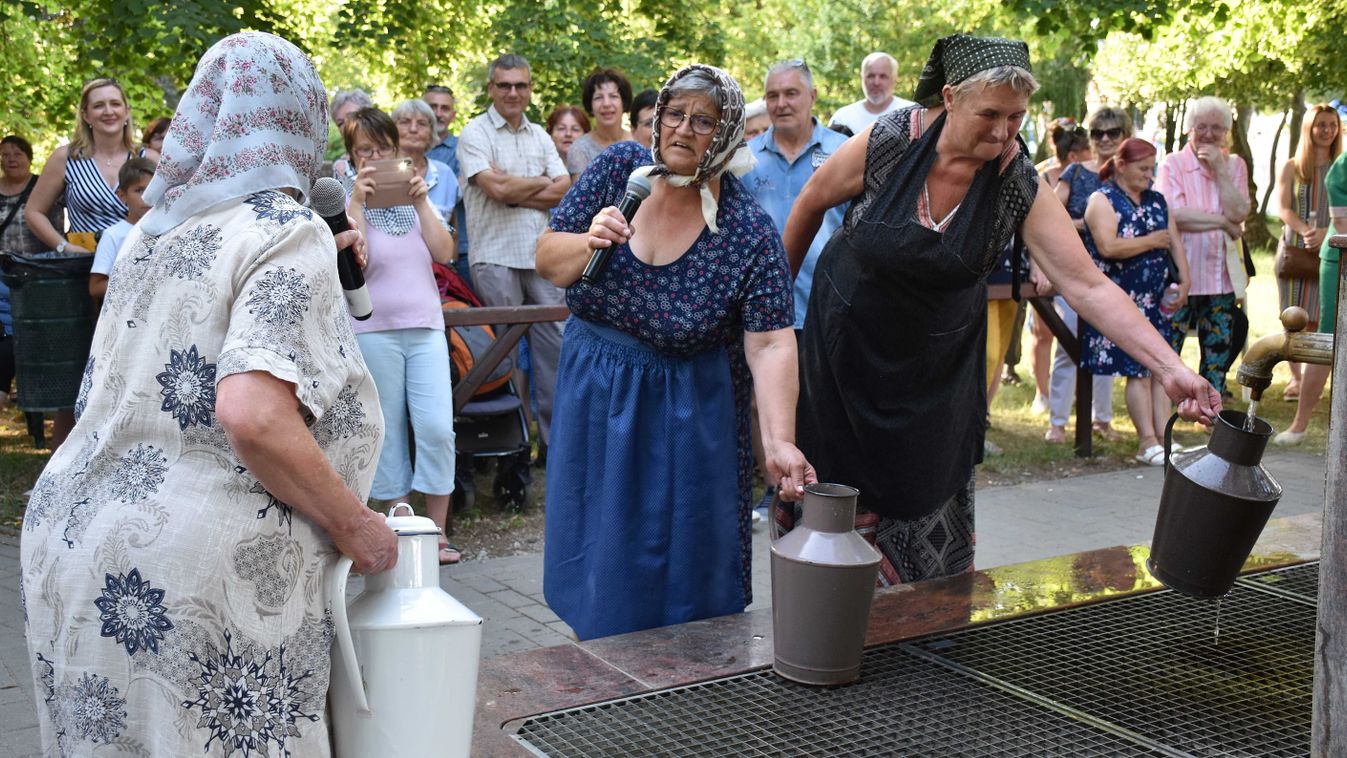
904, 706
1136, 676
1152, 665
1297, 582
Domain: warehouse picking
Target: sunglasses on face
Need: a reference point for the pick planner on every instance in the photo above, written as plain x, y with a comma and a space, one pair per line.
1113, 134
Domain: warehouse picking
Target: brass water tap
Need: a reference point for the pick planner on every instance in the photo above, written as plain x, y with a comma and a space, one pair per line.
1294, 344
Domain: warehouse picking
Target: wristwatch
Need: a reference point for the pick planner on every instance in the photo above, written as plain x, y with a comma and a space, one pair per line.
61, 247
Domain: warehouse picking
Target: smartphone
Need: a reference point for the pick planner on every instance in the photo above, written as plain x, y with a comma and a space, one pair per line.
392, 183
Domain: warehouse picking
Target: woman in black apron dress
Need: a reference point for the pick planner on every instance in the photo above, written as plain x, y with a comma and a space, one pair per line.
892, 359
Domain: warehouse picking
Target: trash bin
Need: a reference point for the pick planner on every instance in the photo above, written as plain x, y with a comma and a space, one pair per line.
53, 326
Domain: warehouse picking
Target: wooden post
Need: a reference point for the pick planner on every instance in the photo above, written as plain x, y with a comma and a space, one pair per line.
1329, 732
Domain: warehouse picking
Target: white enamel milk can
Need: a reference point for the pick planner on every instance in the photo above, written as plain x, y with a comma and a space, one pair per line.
404, 663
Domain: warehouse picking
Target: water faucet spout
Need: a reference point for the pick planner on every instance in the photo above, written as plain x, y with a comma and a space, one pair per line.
1295, 344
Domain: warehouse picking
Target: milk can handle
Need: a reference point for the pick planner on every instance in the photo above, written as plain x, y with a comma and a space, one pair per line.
345, 646
1169, 439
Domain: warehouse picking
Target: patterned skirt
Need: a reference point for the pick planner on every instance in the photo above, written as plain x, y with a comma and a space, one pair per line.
938, 544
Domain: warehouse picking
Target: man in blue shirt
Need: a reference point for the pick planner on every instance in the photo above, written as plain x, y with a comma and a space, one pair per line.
788, 154
441, 101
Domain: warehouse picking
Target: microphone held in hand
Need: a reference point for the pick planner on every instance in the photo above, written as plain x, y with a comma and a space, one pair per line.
328, 199
638, 189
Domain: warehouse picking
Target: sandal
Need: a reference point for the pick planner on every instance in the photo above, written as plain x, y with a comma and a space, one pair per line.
1106, 430
449, 554
1055, 435
1151, 456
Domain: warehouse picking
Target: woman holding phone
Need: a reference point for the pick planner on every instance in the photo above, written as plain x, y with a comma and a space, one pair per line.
403, 341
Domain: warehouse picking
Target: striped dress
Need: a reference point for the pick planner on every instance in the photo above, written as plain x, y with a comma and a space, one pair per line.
91, 205
1311, 204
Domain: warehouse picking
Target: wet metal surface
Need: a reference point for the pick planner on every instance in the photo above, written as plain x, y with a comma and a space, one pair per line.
903, 706
1297, 582
1138, 675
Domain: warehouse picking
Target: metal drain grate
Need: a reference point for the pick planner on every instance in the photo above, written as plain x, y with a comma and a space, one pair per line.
1299, 582
1152, 665
904, 706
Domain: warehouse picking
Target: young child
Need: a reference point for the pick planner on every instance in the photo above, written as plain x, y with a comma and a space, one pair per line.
132, 179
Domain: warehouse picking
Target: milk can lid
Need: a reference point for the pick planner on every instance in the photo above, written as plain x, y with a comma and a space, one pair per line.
409, 524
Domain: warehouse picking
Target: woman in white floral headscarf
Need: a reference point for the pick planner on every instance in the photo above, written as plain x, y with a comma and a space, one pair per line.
173, 551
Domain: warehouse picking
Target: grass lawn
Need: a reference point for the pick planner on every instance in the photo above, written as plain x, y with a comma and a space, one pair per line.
1019, 433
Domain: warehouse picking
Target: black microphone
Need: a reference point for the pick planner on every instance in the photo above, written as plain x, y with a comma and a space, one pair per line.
328, 199
638, 189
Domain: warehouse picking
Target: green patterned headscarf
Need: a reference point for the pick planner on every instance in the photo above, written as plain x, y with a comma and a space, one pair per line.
959, 56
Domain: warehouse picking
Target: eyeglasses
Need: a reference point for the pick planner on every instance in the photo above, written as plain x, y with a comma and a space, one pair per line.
672, 119
1113, 134
798, 63
1210, 129
365, 153
516, 86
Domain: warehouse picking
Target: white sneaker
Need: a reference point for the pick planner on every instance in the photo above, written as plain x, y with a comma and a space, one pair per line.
1288, 438
1039, 406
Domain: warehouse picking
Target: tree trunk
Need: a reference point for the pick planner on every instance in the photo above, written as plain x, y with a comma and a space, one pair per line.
1297, 119
1272, 165
1256, 234
1171, 126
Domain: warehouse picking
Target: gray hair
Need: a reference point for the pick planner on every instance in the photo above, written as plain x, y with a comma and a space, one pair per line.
347, 96
1204, 105
879, 56
698, 83
417, 107
1014, 77
508, 61
755, 109
796, 64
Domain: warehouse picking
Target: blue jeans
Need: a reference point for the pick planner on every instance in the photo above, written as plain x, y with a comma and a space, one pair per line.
411, 372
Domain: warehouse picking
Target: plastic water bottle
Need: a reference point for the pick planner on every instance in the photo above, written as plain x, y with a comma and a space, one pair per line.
1169, 304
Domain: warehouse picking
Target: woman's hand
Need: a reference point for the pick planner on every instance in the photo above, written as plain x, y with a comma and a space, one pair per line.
366, 539
1198, 400
353, 238
608, 228
1234, 230
71, 247
1184, 286
1159, 239
417, 189
788, 470
363, 186
1315, 237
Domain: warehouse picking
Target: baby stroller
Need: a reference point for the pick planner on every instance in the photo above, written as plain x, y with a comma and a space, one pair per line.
492, 423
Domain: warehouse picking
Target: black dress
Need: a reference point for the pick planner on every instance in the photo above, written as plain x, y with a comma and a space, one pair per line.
892, 398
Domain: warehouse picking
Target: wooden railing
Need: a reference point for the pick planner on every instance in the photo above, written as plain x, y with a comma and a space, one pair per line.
511, 323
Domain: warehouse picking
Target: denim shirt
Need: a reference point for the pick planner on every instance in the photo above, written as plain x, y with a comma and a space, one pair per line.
447, 153
775, 183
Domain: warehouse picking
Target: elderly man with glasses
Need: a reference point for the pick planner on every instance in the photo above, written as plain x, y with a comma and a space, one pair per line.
1208, 193
512, 176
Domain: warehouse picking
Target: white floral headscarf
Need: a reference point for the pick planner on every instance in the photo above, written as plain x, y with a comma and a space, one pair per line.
727, 151
253, 118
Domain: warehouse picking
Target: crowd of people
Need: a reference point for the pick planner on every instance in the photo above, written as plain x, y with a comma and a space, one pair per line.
805, 302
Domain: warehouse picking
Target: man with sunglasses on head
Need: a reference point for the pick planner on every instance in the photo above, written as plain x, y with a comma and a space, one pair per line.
512, 176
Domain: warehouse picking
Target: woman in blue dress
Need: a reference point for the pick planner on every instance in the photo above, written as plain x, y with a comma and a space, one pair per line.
1133, 240
649, 470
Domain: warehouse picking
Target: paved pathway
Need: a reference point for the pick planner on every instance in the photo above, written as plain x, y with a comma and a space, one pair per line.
1017, 523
